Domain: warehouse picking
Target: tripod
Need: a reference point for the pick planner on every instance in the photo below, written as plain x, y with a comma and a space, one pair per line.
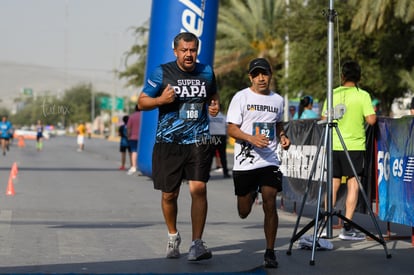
319, 222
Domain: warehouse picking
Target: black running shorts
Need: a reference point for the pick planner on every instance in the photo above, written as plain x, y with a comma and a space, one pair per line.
341, 166
171, 163
249, 181
123, 149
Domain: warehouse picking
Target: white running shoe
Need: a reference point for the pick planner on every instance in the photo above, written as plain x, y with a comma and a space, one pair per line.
173, 246
351, 235
198, 251
131, 171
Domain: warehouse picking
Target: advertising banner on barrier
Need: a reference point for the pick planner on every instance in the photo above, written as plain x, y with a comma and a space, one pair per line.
395, 163
298, 160
297, 163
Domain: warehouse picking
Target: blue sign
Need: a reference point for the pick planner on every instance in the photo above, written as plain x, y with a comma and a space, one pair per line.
395, 162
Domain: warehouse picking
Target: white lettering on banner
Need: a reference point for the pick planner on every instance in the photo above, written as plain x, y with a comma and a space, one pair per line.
190, 23
192, 19
383, 166
397, 167
194, 8
409, 170
298, 160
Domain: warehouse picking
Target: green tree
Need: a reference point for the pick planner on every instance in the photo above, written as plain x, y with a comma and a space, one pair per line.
77, 102
249, 29
308, 49
134, 71
75, 105
47, 108
375, 15
259, 28
243, 33
407, 79
4, 111
380, 57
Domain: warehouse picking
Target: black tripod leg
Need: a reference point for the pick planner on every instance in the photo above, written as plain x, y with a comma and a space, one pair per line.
295, 236
303, 230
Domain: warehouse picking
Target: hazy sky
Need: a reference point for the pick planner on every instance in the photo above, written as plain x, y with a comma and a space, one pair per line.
81, 36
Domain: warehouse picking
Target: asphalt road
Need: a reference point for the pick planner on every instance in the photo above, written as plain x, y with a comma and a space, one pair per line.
75, 212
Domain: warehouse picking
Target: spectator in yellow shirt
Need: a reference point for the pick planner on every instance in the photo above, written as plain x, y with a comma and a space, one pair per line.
81, 130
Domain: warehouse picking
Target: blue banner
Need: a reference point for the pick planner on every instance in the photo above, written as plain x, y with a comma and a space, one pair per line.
168, 18
395, 162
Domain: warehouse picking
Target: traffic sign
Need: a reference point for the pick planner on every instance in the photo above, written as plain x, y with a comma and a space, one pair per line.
106, 103
27, 91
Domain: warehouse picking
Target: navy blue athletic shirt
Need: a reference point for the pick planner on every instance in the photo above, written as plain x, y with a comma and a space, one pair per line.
184, 121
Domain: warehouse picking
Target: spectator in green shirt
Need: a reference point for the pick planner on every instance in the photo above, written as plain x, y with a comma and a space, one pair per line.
358, 110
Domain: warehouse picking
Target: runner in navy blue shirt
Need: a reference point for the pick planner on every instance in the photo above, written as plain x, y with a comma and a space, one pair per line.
184, 92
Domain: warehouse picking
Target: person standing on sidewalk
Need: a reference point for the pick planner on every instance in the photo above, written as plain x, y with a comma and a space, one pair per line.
123, 143
357, 111
255, 121
133, 126
81, 131
185, 93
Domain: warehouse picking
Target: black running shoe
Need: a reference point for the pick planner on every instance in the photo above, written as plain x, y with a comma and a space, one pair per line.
270, 260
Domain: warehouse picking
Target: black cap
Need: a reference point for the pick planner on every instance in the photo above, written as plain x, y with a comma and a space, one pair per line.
259, 63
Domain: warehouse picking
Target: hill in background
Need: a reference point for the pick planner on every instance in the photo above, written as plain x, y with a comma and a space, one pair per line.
53, 81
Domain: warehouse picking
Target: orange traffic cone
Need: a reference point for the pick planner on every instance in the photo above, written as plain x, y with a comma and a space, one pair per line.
21, 142
14, 170
10, 187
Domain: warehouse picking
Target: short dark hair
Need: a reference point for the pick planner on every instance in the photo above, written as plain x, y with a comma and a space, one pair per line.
125, 119
306, 100
187, 37
351, 71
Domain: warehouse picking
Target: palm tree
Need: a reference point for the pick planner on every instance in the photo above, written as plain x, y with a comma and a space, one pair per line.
257, 28
249, 29
373, 15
